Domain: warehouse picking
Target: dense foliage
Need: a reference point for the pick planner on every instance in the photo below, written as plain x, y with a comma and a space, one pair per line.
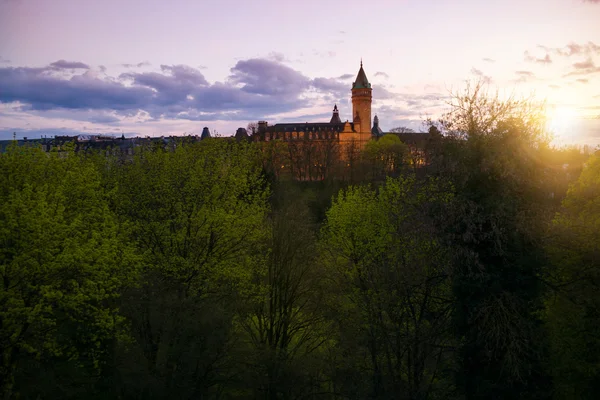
465, 268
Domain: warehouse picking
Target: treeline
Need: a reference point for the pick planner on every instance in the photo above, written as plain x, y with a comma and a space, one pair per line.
465, 269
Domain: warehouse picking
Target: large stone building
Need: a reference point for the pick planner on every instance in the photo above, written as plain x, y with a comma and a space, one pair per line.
359, 131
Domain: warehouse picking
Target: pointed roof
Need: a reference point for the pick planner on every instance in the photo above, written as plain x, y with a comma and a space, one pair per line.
335, 118
205, 133
376, 130
361, 81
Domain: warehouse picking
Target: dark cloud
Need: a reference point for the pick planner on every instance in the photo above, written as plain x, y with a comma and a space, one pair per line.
63, 64
267, 77
489, 60
51, 132
255, 88
382, 74
138, 65
330, 85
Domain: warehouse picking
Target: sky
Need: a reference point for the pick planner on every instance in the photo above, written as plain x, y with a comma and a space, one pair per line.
171, 67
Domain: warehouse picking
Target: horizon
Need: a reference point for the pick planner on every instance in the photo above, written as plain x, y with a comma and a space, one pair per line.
170, 68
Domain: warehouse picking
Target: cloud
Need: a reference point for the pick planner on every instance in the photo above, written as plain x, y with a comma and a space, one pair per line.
543, 60
330, 85
138, 65
383, 74
63, 64
584, 65
346, 77
524, 76
583, 68
573, 49
591, 1
480, 74
255, 88
324, 54
528, 74
581, 80
489, 60
266, 77
4, 60
554, 86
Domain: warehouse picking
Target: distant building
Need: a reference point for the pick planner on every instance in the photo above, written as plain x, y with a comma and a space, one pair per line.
205, 133
358, 131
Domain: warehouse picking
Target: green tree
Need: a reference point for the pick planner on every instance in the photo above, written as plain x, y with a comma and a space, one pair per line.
385, 156
394, 301
285, 321
63, 260
198, 216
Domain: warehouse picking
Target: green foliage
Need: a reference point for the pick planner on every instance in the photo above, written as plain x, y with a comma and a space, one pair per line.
64, 260
198, 218
393, 299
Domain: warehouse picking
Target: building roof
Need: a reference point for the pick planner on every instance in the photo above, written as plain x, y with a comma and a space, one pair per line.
361, 81
308, 127
376, 130
205, 133
335, 118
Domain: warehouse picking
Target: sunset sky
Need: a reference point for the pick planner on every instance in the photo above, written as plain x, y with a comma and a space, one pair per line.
158, 67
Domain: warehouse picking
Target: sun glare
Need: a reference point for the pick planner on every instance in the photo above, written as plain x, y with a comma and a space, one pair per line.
562, 122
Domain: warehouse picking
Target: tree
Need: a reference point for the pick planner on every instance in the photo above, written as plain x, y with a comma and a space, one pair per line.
402, 129
573, 305
64, 260
495, 226
285, 323
252, 128
392, 290
197, 216
385, 156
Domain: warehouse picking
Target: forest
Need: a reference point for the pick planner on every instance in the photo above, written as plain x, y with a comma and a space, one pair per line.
467, 268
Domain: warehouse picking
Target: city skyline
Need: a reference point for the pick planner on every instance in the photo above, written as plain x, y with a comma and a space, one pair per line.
163, 68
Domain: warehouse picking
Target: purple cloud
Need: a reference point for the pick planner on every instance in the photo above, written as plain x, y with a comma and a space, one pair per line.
255, 88
138, 65
266, 77
63, 64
